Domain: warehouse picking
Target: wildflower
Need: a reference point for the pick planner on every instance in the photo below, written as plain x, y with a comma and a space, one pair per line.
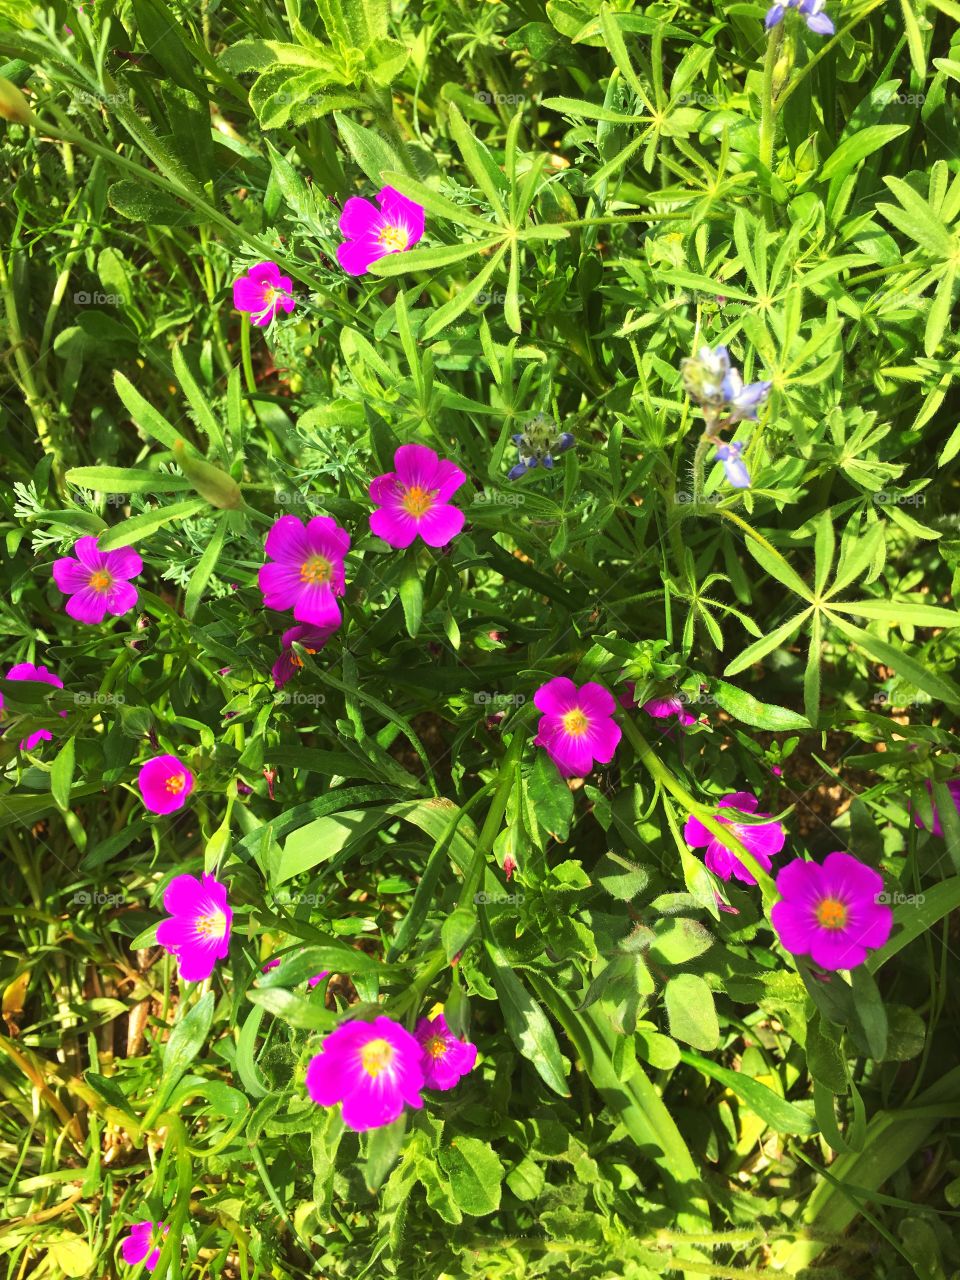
537, 444
577, 726
811, 10
444, 1058
144, 1241
666, 708
307, 573
288, 664
372, 233
372, 1068
831, 912
735, 469
96, 581
271, 777
415, 499
27, 671
164, 784
742, 400
198, 933
311, 982
763, 840
262, 292
716, 385
953, 786
509, 865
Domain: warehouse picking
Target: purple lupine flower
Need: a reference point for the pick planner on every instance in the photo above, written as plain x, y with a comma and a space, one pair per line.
372, 1068
743, 400
734, 468
538, 444
415, 499
763, 840
811, 11
262, 292
445, 1058
577, 726
27, 671
831, 912
705, 374
372, 233
197, 934
96, 581
288, 664
307, 570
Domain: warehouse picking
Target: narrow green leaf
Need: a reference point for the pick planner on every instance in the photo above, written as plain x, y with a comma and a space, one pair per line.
778, 1114
139, 527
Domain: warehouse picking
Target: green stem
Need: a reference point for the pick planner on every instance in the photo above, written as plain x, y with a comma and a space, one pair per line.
768, 111
491, 826
248, 377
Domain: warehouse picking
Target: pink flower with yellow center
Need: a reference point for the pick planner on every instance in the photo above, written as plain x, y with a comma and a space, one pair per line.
371, 1068
306, 573
372, 233
832, 913
577, 726
97, 582
27, 671
198, 933
414, 499
444, 1058
164, 784
262, 292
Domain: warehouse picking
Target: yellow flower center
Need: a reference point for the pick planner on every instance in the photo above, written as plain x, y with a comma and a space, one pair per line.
575, 723
395, 239
376, 1056
436, 1046
212, 925
832, 914
417, 501
316, 569
175, 783
298, 662
100, 580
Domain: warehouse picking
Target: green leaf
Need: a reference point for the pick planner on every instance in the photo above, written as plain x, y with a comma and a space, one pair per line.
870, 1015
746, 708
778, 568
143, 413
411, 595
483, 168
918, 55
297, 1011
754, 652
61, 773
779, 1115
206, 419
456, 931
126, 480
372, 151
141, 202
323, 839
550, 797
852, 150
526, 1022
139, 527
917, 220
205, 567
449, 312
475, 1172
691, 1011
679, 940
938, 686
897, 611
939, 315
384, 1146
441, 255
187, 1038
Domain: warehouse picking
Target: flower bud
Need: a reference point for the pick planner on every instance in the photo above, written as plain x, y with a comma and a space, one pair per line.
13, 105
219, 489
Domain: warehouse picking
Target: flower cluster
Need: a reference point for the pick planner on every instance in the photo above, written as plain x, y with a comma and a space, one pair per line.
812, 11
537, 445
718, 388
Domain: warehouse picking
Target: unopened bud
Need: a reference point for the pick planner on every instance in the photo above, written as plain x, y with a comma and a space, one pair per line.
13, 105
219, 489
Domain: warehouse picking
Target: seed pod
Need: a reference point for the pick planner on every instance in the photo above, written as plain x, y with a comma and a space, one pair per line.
219, 489
13, 105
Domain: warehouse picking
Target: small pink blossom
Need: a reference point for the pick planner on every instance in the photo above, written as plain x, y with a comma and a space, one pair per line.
831, 912
305, 569
288, 664
415, 499
763, 840
372, 233
262, 292
577, 726
372, 1068
198, 933
97, 582
144, 1242
444, 1058
165, 783
27, 671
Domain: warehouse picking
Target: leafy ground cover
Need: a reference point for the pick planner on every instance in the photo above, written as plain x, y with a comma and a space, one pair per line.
479, 773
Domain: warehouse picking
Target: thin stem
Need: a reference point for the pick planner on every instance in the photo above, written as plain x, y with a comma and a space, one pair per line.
248, 377
768, 116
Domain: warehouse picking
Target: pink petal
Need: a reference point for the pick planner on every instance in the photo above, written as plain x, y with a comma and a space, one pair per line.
317, 605
87, 606
557, 696
121, 598
281, 585
71, 576
288, 540
399, 210
360, 218
394, 526
416, 464
357, 256
440, 525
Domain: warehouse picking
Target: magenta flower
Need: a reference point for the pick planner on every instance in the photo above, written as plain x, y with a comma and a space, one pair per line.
27, 671
763, 840
307, 570
164, 784
371, 232
832, 912
577, 726
953, 786
97, 582
372, 1068
311, 982
444, 1058
262, 292
415, 499
667, 708
198, 933
144, 1241
288, 664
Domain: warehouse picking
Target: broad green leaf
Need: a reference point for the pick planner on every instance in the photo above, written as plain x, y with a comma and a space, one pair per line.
322, 839
206, 418
550, 797
857, 147
61, 773
916, 219
897, 611
779, 1115
483, 168
475, 1172
126, 480
187, 1039
778, 568
745, 707
691, 1011
411, 596
441, 255
526, 1022
139, 527
143, 413
205, 567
